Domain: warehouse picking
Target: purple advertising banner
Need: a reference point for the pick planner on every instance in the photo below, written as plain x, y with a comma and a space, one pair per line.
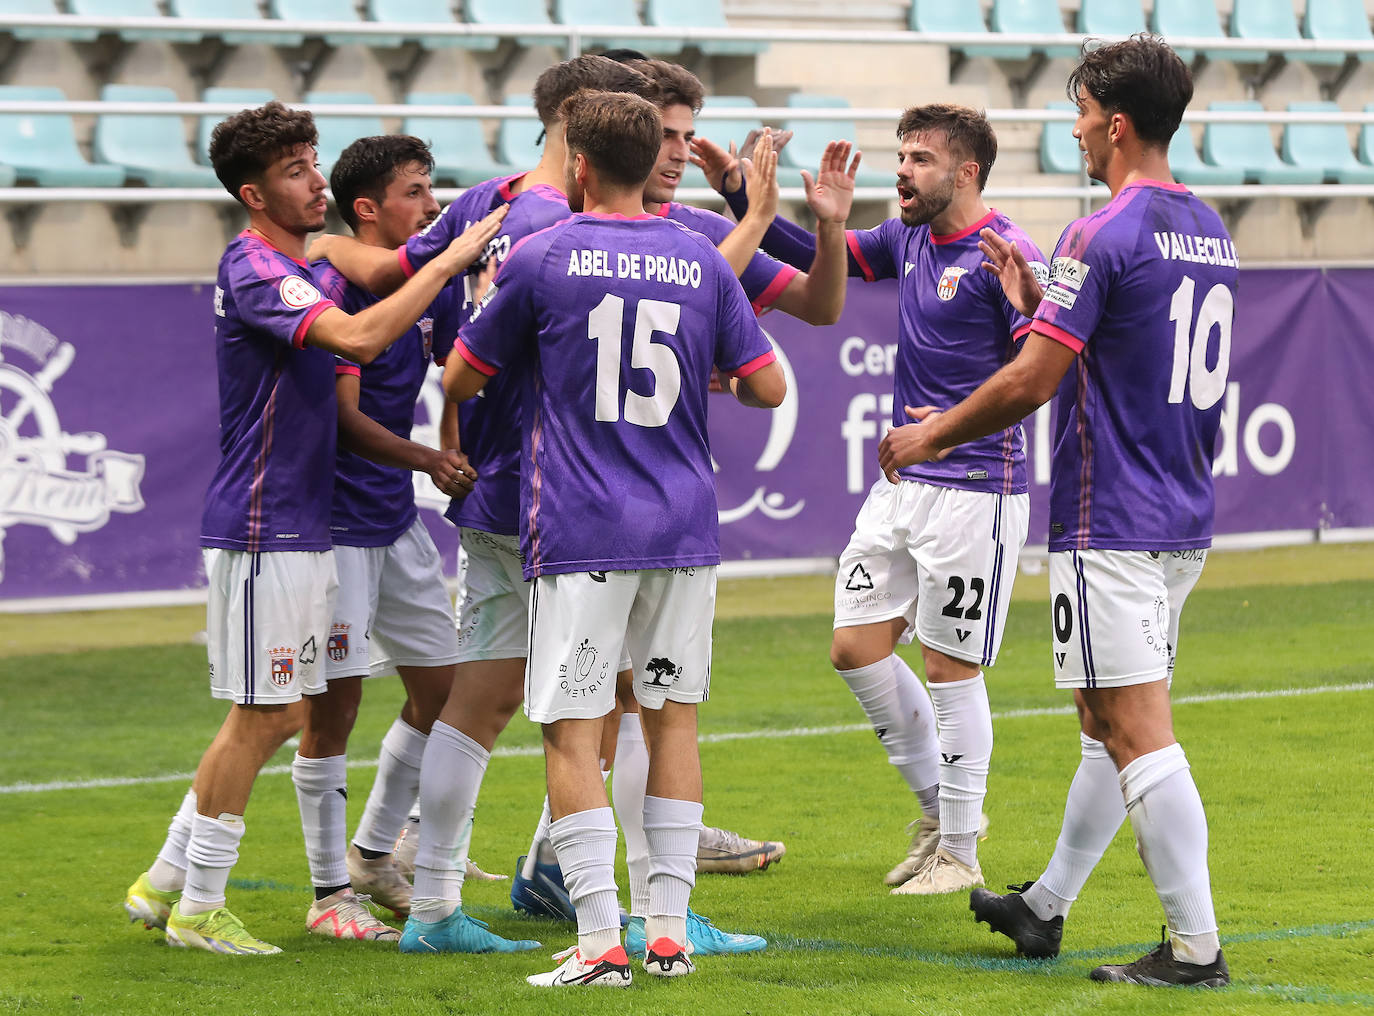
108, 419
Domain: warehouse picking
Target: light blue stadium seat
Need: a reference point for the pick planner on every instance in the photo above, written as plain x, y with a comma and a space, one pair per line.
720, 130
152, 149
1058, 147
8, 175
1198, 19
518, 141
1274, 19
810, 137
1110, 17
401, 12
1365, 146
1031, 16
238, 9
1338, 19
1249, 147
1188, 168
42, 147
338, 132
1323, 146
43, 7
330, 10
133, 9
699, 14
512, 12
248, 98
606, 12
460, 149
938, 16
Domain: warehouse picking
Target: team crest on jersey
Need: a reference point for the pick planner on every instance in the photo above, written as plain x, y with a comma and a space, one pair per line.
337, 647
283, 665
296, 293
949, 282
426, 326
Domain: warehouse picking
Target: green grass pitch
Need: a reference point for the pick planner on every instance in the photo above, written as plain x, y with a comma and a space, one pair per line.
1275, 707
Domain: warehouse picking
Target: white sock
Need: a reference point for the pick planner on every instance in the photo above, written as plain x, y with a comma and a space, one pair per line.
211, 853
1093, 813
628, 782
539, 845
450, 779
322, 794
896, 703
395, 788
1171, 835
672, 828
965, 720
168, 873
585, 845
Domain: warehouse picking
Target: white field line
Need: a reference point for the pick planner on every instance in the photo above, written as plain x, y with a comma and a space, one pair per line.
740, 735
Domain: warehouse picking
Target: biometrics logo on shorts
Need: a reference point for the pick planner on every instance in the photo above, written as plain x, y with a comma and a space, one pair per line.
337, 648
1155, 630
283, 665
588, 672
664, 672
859, 579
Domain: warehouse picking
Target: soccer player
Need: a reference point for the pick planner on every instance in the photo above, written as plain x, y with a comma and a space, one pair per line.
265, 528
1134, 331
933, 556
618, 510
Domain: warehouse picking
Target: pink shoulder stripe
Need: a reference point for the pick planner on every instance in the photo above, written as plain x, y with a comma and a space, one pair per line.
298, 339
476, 363
786, 273
853, 242
756, 363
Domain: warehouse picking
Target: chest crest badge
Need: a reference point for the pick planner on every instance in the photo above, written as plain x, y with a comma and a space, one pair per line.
949, 283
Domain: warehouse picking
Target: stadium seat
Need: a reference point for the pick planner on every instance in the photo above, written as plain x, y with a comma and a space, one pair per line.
1188, 168
938, 16
42, 148
1110, 18
1365, 146
132, 9
1250, 148
330, 10
1180, 19
238, 9
1041, 16
438, 12
1058, 147
246, 97
511, 12
1345, 20
151, 148
518, 141
459, 147
43, 7
699, 14
338, 132
810, 137
8, 175
1323, 146
1274, 19
606, 12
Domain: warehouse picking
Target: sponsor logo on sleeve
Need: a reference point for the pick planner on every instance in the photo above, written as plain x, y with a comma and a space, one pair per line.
297, 293
1041, 271
1057, 295
1069, 272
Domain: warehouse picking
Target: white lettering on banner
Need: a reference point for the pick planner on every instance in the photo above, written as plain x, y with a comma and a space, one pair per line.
861, 425
782, 428
1265, 415
859, 357
37, 485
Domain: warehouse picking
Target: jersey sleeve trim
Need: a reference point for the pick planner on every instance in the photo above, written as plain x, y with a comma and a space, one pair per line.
406, 267
853, 241
475, 362
298, 338
766, 299
347, 369
757, 363
1057, 334
1021, 332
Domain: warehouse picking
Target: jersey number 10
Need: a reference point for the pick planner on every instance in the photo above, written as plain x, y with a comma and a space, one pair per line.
1190, 344
605, 326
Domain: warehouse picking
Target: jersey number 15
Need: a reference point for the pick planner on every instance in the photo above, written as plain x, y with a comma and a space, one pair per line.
605, 326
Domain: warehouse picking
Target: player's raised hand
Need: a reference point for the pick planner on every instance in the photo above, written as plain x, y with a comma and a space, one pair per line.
761, 177
468, 246
780, 138
1005, 260
830, 193
452, 474
721, 167
910, 444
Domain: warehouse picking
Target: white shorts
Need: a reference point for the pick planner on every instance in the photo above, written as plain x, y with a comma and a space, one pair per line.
494, 614
392, 609
1115, 614
582, 624
266, 623
942, 558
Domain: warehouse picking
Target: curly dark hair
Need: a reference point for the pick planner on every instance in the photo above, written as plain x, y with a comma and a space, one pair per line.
673, 84
966, 130
1140, 77
619, 134
245, 145
591, 72
366, 168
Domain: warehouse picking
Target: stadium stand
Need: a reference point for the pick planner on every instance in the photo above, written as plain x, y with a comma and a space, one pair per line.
1058, 147
40, 148
151, 149
509, 12
1189, 168
238, 10
1323, 146
245, 97
722, 131
1031, 16
23, 33
1189, 19
518, 140
809, 138
935, 16
1365, 146
328, 10
460, 150
437, 12
1338, 21
1273, 19
1110, 18
603, 12
134, 9
1250, 148
338, 132
699, 14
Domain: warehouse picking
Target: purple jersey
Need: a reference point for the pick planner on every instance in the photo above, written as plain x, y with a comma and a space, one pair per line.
278, 418
619, 322
763, 280
374, 504
1144, 291
955, 329
489, 425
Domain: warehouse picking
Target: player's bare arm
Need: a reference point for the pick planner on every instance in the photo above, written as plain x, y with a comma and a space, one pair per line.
1006, 398
361, 337
765, 388
449, 435
817, 295
359, 433
740, 247
376, 269
461, 379
1005, 260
